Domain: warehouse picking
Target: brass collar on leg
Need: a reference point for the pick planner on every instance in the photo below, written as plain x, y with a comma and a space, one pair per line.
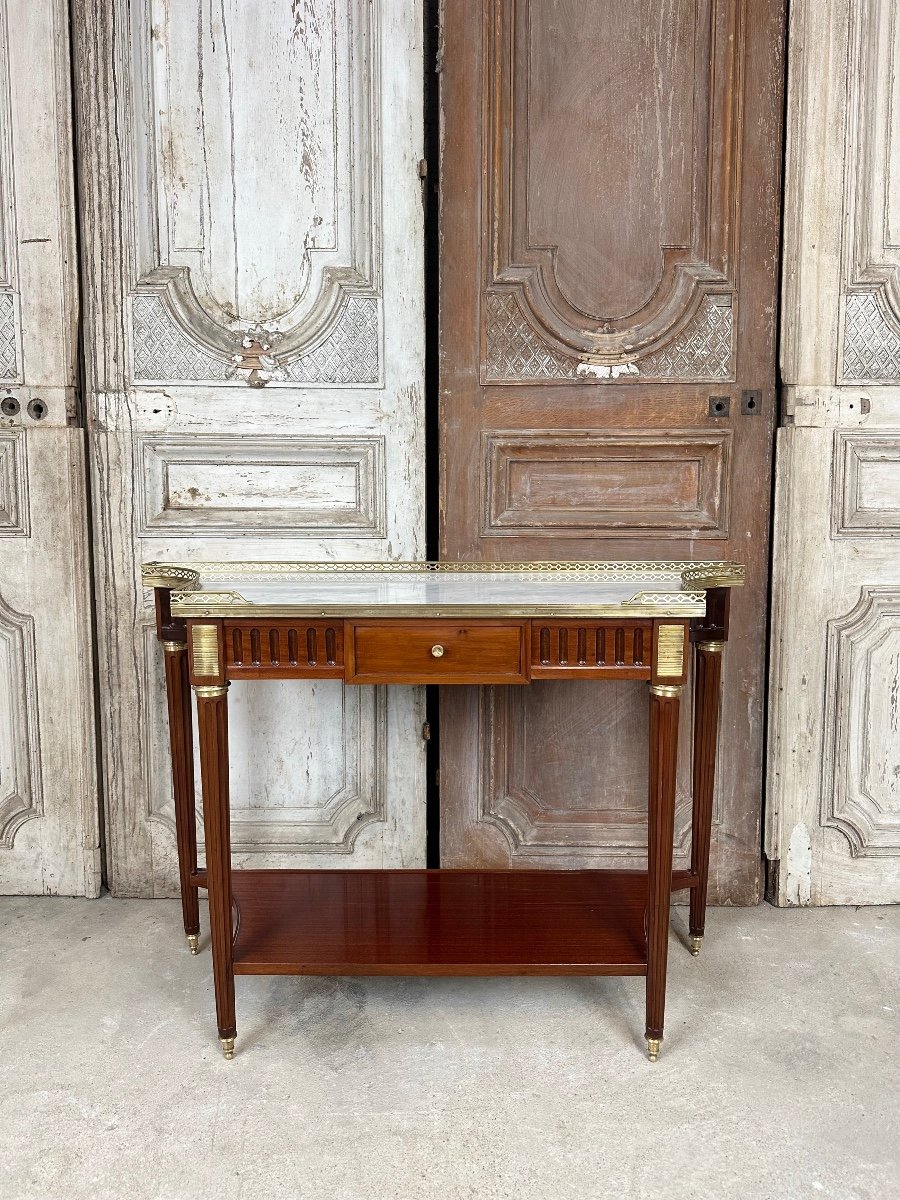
667, 691
711, 647
210, 693
174, 647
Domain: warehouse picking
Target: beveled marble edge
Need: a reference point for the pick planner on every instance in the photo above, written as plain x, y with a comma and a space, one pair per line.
643, 604
702, 574
196, 608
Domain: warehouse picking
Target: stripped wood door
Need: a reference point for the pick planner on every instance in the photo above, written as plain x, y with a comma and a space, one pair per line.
609, 232
252, 228
833, 809
49, 839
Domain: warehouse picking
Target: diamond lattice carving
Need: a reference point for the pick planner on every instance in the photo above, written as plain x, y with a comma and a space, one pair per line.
164, 351
705, 350
516, 353
871, 343
514, 350
9, 368
349, 354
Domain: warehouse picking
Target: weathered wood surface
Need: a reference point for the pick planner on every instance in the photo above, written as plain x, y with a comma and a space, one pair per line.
609, 238
49, 838
251, 239
833, 808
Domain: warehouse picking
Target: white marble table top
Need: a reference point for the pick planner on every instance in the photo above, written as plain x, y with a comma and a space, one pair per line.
578, 589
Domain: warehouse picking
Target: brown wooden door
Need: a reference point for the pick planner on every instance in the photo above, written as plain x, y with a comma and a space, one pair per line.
609, 233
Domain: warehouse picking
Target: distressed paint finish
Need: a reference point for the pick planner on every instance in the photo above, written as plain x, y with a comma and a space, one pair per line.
252, 224
833, 805
49, 840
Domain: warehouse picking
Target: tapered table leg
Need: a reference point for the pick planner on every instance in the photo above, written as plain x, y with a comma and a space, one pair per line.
212, 722
707, 694
178, 695
664, 707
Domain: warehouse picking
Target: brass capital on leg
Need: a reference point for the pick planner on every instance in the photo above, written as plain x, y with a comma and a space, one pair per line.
211, 693
667, 691
174, 647
711, 647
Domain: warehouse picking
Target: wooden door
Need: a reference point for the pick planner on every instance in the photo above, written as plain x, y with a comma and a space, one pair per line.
833, 823
609, 230
252, 228
49, 841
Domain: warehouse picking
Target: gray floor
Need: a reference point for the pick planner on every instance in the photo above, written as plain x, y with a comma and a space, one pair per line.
778, 1078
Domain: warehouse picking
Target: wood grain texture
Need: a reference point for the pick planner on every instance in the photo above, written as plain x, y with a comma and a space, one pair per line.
49, 799
707, 700
536, 343
833, 828
542, 483
440, 923
663, 769
181, 741
212, 724
437, 652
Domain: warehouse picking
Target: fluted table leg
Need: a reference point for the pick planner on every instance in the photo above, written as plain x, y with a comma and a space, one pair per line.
664, 709
178, 696
707, 694
212, 721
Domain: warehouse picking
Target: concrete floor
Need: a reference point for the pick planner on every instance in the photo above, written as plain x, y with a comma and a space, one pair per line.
779, 1076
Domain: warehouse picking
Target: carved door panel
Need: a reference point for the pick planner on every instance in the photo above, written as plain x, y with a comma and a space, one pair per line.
252, 227
610, 212
49, 841
833, 825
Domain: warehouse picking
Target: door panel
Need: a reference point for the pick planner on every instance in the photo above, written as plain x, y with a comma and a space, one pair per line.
49, 839
253, 261
833, 827
609, 228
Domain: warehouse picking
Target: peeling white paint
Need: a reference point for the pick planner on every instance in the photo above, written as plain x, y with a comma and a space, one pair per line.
603, 371
799, 866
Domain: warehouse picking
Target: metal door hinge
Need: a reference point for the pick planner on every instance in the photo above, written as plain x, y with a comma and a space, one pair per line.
423, 168
426, 732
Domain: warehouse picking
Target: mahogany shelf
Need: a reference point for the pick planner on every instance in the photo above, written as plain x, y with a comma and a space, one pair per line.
447, 922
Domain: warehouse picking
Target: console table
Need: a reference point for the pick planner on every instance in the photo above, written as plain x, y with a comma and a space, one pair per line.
441, 623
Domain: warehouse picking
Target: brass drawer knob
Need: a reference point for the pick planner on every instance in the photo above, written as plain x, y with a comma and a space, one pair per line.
437, 651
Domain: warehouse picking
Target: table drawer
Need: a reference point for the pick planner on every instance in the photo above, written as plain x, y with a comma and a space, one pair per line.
436, 652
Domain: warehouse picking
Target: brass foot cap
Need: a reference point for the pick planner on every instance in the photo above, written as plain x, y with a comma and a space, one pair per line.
228, 1047
193, 940
653, 1049
696, 943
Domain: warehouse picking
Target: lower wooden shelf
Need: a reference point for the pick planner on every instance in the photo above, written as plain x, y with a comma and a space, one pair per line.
445, 922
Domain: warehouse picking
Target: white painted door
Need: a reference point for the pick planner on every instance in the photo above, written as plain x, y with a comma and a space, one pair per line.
253, 258
49, 840
834, 770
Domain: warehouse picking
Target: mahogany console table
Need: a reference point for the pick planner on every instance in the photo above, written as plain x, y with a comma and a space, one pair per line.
419, 623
